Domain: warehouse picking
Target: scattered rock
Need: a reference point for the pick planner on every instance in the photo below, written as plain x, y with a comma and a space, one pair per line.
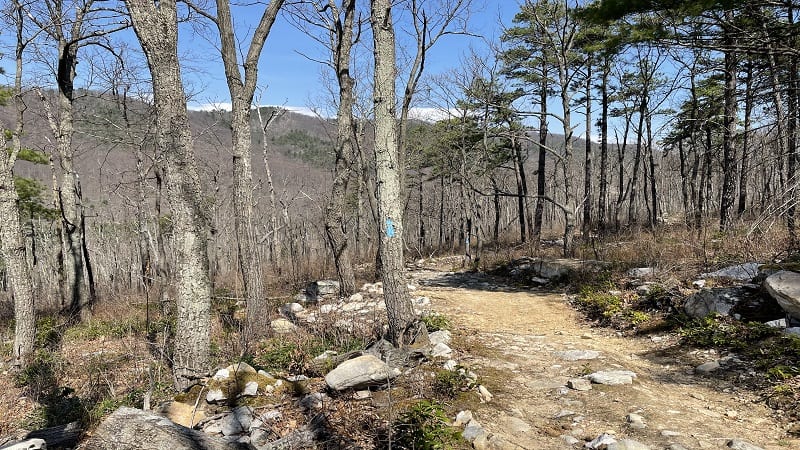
569, 440
441, 350
472, 431
462, 418
601, 442
737, 444
715, 300
359, 373
641, 272
635, 421
612, 377
289, 310
283, 326
484, 393
27, 444
707, 368
441, 336
579, 384
699, 284
450, 365
739, 272
780, 323
669, 433
322, 288
578, 355
627, 444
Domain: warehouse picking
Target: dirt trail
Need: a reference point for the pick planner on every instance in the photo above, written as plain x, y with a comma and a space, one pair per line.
511, 338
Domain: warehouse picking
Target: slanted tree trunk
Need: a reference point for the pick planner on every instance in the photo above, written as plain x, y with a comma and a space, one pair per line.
387, 160
156, 26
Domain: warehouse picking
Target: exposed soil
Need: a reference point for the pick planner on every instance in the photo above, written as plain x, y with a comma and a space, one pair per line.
510, 337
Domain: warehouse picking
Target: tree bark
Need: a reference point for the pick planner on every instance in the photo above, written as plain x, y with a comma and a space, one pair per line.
242, 89
12, 240
387, 160
335, 224
156, 26
728, 137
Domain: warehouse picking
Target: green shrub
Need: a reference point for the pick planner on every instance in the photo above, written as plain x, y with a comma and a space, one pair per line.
435, 321
448, 383
424, 426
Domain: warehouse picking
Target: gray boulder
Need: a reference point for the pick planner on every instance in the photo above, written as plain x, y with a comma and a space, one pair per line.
125, 428
739, 272
717, 300
784, 287
322, 288
359, 373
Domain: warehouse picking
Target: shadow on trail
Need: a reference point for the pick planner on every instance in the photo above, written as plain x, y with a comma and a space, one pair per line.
480, 281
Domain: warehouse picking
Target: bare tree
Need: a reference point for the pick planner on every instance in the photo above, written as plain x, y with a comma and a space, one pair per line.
242, 85
338, 23
12, 240
389, 170
156, 26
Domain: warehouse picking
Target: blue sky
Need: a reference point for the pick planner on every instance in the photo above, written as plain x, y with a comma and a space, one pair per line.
291, 79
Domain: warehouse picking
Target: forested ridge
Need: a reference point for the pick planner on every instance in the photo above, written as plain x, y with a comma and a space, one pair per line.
645, 133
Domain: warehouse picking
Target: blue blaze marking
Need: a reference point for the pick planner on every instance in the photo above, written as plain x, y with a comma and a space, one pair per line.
389, 227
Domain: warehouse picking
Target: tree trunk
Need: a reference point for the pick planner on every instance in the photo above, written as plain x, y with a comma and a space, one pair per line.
241, 91
387, 160
156, 26
335, 224
541, 166
602, 203
587, 174
748, 112
728, 137
12, 239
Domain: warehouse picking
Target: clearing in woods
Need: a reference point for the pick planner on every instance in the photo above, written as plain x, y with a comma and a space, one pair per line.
512, 338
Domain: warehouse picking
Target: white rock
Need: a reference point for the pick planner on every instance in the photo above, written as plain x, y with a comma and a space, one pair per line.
612, 377
441, 350
699, 284
780, 323
250, 389
357, 297
602, 441
462, 418
484, 393
579, 384
327, 309
422, 301
28, 444
283, 326
222, 374
450, 365
215, 395
441, 336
